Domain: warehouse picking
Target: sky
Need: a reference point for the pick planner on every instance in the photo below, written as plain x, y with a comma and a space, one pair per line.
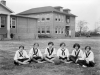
87, 10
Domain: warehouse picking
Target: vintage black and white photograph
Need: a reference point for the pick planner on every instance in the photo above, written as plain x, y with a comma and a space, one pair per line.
49, 37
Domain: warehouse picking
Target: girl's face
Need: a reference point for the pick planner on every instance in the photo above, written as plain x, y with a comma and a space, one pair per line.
21, 49
50, 45
35, 46
76, 47
62, 46
87, 49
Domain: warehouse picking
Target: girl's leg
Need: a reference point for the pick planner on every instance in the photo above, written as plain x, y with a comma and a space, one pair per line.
91, 64
72, 58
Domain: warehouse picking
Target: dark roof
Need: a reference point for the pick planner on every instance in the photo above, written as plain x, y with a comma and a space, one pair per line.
43, 10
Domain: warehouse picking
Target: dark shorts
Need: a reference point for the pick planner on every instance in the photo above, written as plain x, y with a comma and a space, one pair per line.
62, 58
83, 62
37, 58
21, 60
49, 58
72, 58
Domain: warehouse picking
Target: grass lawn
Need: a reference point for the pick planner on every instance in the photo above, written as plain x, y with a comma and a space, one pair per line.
8, 48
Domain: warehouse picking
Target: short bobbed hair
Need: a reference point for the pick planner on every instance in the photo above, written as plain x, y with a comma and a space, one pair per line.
21, 46
62, 44
76, 44
36, 44
88, 46
50, 43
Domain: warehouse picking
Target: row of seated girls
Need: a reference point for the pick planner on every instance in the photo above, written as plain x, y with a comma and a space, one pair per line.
84, 59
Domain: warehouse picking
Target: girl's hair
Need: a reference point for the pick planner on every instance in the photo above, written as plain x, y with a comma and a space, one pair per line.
50, 43
35, 44
88, 46
21, 46
76, 44
62, 44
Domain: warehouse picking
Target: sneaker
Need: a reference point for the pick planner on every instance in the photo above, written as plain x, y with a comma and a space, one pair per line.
77, 64
84, 66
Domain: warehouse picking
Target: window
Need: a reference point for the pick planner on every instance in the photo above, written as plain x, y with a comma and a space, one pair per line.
13, 22
3, 21
59, 19
39, 20
43, 19
62, 30
43, 30
59, 30
55, 19
39, 31
56, 30
48, 30
68, 20
48, 18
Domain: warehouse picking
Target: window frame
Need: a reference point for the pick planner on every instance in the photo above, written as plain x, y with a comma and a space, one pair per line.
15, 22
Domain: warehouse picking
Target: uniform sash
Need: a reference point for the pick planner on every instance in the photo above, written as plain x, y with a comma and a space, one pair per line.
77, 53
87, 54
50, 52
63, 52
20, 54
35, 51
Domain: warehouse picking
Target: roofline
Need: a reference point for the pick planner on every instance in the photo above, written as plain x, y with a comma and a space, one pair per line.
51, 11
7, 8
65, 13
23, 16
34, 13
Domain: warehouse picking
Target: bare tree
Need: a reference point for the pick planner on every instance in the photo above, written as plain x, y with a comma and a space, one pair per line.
97, 27
81, 25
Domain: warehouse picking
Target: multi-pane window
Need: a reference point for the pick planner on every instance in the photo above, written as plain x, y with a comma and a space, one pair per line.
39, 19
2, 21
13, 22
67, 20
43, 30
48, 30
43, 19
48, 18
62, 30
39, 30
56, 30
59, 30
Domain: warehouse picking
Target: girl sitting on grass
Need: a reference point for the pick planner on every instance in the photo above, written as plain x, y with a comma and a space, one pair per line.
50, 53
63, 53
77, 53
35, 54
88, 58
21, 56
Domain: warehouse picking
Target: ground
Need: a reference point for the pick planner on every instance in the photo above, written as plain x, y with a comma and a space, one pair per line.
8, 48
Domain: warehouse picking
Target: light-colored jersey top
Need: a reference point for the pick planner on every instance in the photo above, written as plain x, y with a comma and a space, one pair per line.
50, 53
78, 53
63, 52
89, 56
34, 53
20, 55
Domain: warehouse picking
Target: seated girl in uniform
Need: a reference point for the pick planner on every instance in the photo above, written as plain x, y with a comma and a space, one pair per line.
21, 56
50, 53
77, 53
88, 59
35, 54
63, 53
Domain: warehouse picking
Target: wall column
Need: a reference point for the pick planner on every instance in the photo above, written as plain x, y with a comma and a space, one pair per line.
8, 26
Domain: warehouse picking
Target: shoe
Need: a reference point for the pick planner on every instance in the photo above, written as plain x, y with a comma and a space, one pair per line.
77, 64
84, 66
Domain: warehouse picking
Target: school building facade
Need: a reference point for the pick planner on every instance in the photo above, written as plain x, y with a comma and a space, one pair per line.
54, 22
